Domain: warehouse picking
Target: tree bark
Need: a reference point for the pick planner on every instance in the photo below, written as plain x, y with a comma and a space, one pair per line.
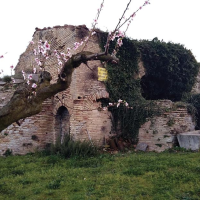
24, 104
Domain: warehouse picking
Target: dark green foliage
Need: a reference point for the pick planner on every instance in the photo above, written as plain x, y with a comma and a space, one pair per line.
171, 70
170, 73
123, 84
70, 148
130, 119
8, 152
7, 79
194, 100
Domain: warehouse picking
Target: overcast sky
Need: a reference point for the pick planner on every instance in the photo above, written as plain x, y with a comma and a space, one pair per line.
171, 20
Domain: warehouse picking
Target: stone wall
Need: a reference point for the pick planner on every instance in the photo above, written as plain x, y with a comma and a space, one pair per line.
87, 119
160, 132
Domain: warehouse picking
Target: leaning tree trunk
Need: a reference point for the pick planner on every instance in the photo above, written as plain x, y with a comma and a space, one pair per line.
24, 104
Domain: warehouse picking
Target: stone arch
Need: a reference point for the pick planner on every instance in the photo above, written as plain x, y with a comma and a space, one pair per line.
62, 123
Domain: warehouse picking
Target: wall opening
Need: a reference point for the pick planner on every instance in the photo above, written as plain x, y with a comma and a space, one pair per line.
62, 124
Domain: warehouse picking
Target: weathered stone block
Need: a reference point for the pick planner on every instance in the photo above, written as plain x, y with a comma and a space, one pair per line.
189, 140
141, 147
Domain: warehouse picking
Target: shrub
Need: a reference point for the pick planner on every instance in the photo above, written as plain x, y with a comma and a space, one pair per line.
7, 79
8, 152
70, 148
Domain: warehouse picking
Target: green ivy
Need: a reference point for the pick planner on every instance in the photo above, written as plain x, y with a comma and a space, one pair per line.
122, 84
194, 101
170, 72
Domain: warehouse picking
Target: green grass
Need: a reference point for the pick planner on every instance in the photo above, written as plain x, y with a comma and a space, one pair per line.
146, 176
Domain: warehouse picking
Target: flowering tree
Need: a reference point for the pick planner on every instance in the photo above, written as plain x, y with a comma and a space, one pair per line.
28, 98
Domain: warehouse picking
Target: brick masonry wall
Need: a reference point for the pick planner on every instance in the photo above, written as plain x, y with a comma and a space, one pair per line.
87, 120
159, 132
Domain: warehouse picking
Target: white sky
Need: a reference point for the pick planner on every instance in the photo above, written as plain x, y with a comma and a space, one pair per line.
171, 20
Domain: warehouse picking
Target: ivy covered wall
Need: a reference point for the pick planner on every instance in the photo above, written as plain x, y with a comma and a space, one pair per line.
170, 73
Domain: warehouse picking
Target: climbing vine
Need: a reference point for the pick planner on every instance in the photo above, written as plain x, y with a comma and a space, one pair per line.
123, 83
170, 72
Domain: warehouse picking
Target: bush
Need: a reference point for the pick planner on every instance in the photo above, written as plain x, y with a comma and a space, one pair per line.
7, 79
171, 70
70, 148
8, 152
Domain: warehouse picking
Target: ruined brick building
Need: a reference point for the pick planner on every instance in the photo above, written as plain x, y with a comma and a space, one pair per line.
77, 110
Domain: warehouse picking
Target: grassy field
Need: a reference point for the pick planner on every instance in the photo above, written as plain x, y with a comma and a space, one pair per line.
129, 176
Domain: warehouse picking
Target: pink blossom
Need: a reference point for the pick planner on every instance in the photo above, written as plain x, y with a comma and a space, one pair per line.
95, 21
35, 52
62, 54
31, 42
28, 82
1, 56
40, 49
60, 63
47, 45
40, 42
133, 15
93, 32
119, 42
39, 63
34, 70
146, 2
120, 34
76, 45
34, 85
118, 105
13, 80
126, 104
11, 67
110, 104
30, 76
120, 101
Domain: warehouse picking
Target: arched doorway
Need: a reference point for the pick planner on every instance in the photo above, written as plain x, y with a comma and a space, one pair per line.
62, 123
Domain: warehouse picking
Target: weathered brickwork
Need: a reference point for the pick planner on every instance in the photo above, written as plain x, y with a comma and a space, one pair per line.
85, 119
77, 111
160, 132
